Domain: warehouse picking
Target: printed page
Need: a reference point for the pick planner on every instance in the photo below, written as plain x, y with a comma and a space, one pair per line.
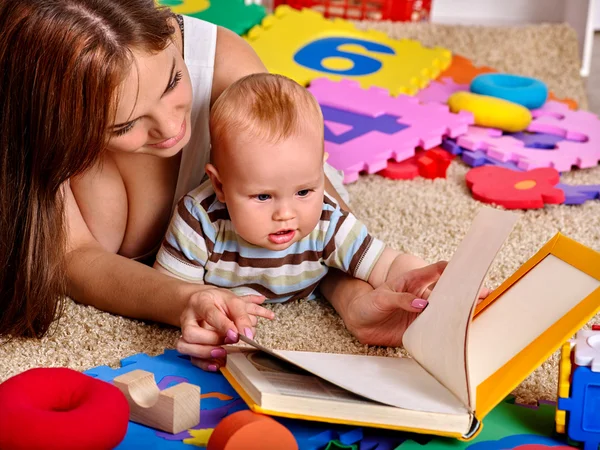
437, 339
398, 382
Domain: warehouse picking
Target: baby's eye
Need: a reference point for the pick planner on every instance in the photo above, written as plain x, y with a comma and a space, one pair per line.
263, 197
303, 192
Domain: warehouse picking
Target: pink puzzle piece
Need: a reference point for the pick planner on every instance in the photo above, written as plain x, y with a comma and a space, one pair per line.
439, 91
582, 150
364, 128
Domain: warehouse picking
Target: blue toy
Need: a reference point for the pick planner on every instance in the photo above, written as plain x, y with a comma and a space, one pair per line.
529, 92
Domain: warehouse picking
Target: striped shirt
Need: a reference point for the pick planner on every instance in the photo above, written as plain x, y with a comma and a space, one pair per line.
201, 246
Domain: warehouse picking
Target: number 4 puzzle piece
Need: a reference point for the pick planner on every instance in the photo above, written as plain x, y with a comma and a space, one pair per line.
303, 45
364, 128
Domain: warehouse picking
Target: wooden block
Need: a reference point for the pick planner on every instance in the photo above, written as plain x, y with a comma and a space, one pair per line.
246, 430
173, 410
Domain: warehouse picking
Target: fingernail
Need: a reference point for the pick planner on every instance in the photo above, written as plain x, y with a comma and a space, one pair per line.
232, 336
248, 333
213, 367
228, 341
218, 353
419, 303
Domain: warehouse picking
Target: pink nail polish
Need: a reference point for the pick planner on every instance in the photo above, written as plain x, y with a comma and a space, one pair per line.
232, 335
228, 341
419, 303
218, 353
248, 333
213, 367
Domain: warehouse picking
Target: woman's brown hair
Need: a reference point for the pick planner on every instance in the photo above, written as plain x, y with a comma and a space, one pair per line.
61, 63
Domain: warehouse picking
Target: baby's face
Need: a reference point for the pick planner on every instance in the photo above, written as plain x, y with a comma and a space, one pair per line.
274, 192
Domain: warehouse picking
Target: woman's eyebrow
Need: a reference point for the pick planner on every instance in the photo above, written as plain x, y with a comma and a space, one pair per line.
124, 124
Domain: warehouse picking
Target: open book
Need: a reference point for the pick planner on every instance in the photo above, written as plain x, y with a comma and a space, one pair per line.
465, 358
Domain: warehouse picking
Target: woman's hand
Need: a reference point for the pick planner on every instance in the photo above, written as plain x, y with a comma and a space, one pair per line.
216, 316
381, 316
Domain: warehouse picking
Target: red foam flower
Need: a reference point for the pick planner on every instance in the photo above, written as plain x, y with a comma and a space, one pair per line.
513, 189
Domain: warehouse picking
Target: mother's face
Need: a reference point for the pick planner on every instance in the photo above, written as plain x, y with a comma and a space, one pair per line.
154, 108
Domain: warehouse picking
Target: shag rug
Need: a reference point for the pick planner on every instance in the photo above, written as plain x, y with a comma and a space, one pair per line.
425, 217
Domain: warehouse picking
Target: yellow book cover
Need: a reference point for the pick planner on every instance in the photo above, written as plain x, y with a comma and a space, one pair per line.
465, 358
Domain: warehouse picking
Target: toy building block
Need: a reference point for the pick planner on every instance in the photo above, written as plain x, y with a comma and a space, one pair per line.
173, 410
246, 430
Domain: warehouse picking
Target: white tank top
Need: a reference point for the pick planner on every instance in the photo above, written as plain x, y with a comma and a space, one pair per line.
199, 44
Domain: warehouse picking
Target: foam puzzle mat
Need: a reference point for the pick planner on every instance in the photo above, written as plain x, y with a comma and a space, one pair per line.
508, 426
303, 45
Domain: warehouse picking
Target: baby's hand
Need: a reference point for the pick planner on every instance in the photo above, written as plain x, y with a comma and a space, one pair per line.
213, 317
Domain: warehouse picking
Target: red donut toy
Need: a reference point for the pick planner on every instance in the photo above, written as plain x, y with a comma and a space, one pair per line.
61, 409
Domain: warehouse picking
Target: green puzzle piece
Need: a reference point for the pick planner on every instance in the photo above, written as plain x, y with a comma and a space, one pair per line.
507, 426
232, 14
337, 445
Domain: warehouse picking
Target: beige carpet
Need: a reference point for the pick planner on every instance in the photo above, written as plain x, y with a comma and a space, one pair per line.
428, 218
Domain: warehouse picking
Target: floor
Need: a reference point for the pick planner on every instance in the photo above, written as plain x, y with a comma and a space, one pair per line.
593, 81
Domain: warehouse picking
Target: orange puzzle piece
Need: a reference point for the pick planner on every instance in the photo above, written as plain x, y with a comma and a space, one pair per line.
462, 71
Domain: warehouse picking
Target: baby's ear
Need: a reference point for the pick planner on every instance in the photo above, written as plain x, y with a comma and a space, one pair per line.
215, 179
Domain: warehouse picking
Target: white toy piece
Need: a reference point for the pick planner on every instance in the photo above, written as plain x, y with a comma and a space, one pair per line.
587, 349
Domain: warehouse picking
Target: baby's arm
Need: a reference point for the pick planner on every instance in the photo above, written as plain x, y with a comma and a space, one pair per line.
392, 264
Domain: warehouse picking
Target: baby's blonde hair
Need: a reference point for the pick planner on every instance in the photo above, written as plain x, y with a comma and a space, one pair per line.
268, 106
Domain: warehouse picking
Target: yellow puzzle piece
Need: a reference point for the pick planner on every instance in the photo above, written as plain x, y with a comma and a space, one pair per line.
564, 385
303, 45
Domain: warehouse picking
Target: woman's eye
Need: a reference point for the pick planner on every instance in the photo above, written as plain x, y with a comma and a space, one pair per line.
121, 131
263, 197
175, 81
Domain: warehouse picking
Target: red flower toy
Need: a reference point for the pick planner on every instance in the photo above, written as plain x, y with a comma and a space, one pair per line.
515, 190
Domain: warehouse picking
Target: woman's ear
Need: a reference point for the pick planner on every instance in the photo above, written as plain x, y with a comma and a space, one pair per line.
215, 179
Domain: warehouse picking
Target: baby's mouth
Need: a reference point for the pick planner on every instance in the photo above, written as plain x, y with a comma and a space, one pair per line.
282, 236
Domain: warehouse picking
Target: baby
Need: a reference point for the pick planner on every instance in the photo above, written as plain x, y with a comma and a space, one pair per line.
262, 222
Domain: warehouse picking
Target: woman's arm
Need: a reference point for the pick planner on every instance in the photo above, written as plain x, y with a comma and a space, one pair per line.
117, 284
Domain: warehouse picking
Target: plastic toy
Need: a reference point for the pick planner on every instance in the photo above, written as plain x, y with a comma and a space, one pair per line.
578, 390
235, 15
528, 92
245, 430
576, 195
395, 10
462, 71
303, 45
378, 127
60, 409
491, 111
426, 163
172, 410
515, 190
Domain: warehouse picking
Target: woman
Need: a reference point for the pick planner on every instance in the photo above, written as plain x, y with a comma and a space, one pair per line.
104, 126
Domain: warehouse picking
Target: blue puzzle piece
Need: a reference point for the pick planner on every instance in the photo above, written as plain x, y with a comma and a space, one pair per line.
583, 407
451, 146
478, 158
540, 141
576, 195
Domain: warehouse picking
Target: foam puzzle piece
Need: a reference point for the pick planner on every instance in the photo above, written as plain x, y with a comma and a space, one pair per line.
462, 71
440, 90
303, 45
382, 127
582, 406
580, 146
235, 15
576, 195
219, 400
537, 140
507, 426
515, 190
587, 349
426, 163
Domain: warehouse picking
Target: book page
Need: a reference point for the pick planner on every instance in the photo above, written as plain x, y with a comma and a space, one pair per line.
521, 314
398, 382
437, 339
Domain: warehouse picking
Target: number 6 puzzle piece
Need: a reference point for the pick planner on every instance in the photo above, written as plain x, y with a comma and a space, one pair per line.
303, 45
364, 128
